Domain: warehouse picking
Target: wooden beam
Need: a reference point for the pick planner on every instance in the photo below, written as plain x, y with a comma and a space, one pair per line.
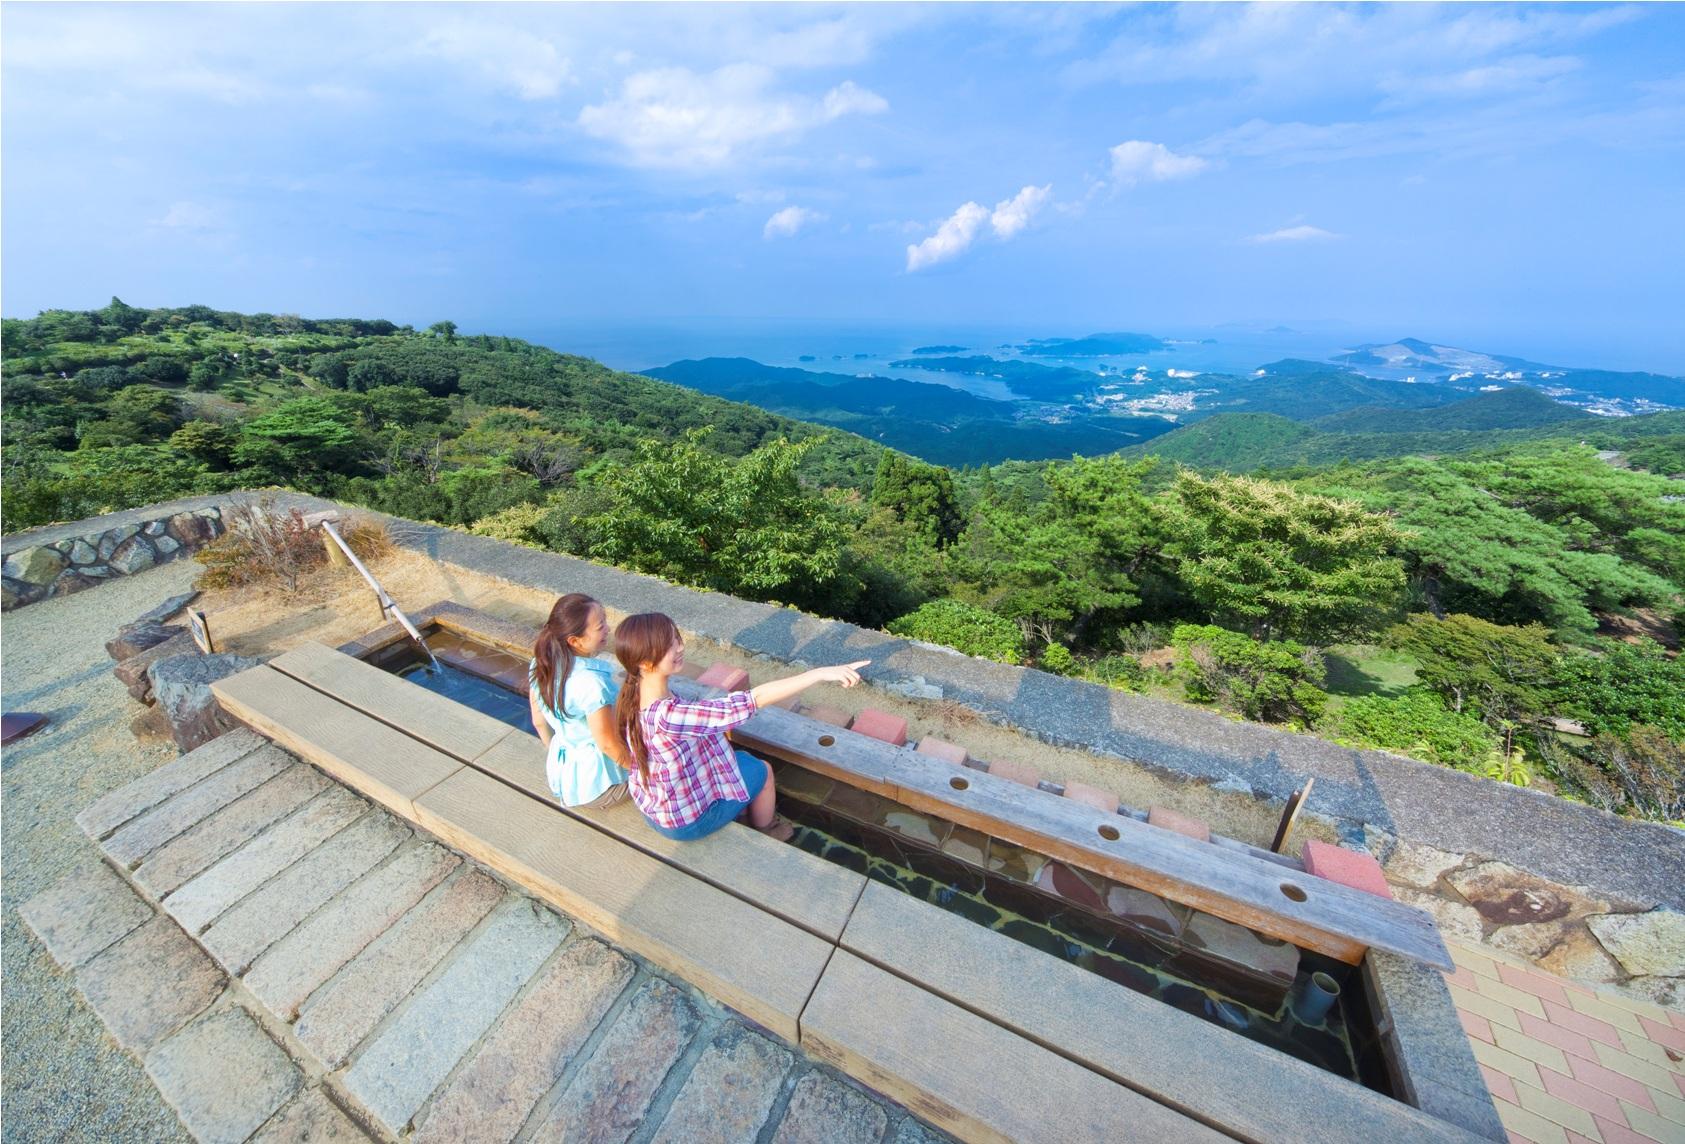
365, 754
797, 886
967, 1075
1262, 895
758, 964
441, 723
1244, 1088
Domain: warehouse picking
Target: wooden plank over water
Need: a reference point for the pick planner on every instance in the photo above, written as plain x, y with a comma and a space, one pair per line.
797, 886
448, 726
364, 753
758, 964
1310, 912
969, 1076
1240, 1086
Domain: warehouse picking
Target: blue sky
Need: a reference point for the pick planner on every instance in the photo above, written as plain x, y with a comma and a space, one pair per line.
1509, 177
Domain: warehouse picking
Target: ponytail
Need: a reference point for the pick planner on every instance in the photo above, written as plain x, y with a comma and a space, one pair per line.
626, 708
552, 655
639, 639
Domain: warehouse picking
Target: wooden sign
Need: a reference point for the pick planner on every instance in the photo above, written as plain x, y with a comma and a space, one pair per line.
201, 630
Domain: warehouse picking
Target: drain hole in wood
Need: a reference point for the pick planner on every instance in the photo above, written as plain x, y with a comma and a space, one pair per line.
827, 740
1109, 833
959, 783
1292, 892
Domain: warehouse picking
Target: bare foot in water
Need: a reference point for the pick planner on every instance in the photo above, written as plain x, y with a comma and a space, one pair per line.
779, 828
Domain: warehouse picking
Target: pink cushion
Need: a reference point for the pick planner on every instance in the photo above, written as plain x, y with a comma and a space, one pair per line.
1347, 867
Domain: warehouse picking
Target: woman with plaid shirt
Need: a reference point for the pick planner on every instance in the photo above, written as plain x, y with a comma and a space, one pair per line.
686, 778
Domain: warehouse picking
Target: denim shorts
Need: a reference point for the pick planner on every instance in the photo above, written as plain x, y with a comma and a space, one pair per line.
722, 810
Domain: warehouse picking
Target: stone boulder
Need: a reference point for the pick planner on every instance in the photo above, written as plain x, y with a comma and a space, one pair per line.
38, 566
181, 686
135, 554
132, 639
1645, 944
111, 538
133, 672
194, 528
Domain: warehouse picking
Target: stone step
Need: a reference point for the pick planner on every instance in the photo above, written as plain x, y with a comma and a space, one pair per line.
312, 970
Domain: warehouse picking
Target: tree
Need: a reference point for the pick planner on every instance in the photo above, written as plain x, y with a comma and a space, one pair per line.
1503, 674
207, 442
1057, 565
1468, 550
137, 415
445, 330
746, 527
1266, 558
370, 373
921, 495
306, 435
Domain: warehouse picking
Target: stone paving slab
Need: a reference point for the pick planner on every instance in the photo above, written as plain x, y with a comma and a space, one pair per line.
396, 1072
199, 902
339, 1015
824, 1110
271, 912
609, 1097
113, 810
170, 866
292, 969
84, 914
528, 1049
223, 1076
311, 1118
730, 1090
150, 984
147, 832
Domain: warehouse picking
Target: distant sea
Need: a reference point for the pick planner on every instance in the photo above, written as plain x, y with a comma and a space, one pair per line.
858, 350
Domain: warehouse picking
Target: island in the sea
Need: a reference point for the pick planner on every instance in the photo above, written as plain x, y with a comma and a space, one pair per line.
940, 349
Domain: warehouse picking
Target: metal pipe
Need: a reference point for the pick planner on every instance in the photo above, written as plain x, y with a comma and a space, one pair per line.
386, 602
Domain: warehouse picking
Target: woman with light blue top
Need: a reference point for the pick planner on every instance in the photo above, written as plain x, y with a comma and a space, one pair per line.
572, 698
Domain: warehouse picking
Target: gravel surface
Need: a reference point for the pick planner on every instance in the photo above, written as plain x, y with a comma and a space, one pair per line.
63, 1078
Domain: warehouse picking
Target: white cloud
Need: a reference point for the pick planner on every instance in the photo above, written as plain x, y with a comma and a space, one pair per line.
674, 117
1138, 161
788, 221
531, 66
190, 216
1301, 233
757, 197
956, 234
951, 239
1014, 214
848, 98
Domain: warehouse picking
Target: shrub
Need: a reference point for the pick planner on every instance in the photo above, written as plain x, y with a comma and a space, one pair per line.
1416, 724
1123, 672
1276, 682
260, 546
1057, 658
1625, 686
518, 524
963, 627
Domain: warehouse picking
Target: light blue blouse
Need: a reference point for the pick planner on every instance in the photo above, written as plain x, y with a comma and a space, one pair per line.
576, 767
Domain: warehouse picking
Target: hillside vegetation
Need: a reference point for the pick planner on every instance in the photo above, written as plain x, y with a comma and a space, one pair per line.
1485, 562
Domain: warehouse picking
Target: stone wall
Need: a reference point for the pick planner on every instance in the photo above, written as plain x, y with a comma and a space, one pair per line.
39, 564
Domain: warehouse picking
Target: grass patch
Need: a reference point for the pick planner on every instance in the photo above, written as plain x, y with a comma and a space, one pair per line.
1364, 669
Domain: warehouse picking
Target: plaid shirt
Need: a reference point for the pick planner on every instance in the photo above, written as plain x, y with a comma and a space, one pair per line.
691, 763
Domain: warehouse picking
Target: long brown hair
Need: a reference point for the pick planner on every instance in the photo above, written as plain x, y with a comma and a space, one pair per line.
640, 639
552, 656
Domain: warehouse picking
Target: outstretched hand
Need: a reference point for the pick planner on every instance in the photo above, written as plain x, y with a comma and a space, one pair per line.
845, 674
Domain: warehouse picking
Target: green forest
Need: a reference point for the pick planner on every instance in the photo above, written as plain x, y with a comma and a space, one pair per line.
1501, 601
